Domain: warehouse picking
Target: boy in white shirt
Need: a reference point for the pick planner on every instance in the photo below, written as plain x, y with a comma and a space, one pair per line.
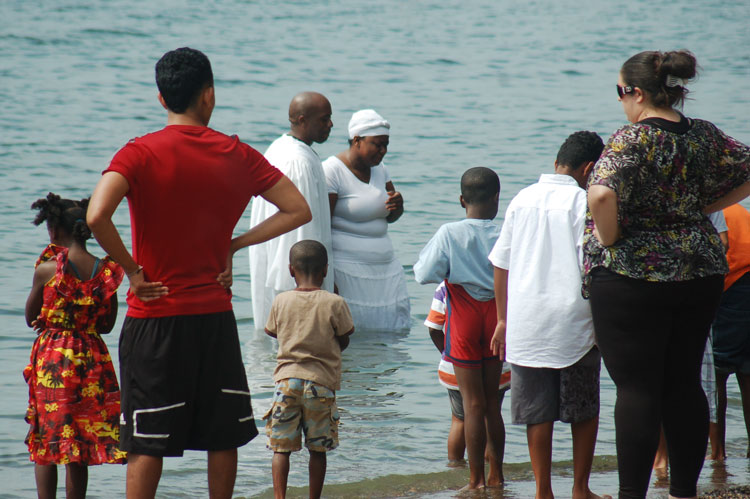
543, 317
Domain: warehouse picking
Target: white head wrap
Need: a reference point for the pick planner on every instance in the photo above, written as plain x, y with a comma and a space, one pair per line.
368, 123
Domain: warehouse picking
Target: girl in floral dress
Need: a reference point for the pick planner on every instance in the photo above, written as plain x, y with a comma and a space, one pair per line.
74, 398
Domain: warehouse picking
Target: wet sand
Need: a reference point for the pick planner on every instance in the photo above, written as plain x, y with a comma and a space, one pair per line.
728, 479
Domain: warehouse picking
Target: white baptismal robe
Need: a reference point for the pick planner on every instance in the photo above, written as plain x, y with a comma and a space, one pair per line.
269, 261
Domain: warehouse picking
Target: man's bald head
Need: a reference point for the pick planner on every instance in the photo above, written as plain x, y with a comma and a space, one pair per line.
310, 117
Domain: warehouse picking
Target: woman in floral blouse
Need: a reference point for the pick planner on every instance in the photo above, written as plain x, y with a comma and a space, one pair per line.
654, 265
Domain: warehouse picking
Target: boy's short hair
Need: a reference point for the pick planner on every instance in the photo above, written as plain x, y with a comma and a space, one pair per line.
308, 257
479, 185
580, 148
181, 75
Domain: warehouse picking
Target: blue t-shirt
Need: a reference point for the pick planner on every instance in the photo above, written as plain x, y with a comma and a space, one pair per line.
458, 253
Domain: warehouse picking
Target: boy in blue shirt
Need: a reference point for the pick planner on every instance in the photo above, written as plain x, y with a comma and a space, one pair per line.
457, 254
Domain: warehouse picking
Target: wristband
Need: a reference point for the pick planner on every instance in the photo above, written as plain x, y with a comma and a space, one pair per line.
131, 274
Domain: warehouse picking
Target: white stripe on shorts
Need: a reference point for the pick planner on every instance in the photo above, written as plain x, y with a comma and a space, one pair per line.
136, 433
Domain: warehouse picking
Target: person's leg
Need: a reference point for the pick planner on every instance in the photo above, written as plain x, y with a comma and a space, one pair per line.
320, 421
584, 443
471, 386
536, 403
76, 480
142, 476
718, 435
744, 382
222, 471
685, 407
46, 480
661, 461
284, 429
317, 470
539, 437
501, 451
579, 406
631, 329
157, 376
494, 427
280, 473
456, 440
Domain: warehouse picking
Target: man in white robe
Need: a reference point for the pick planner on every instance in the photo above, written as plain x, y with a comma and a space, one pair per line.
310, 119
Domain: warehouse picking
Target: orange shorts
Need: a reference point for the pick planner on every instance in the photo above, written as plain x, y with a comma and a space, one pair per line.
469, 326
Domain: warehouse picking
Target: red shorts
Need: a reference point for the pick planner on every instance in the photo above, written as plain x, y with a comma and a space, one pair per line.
469, 326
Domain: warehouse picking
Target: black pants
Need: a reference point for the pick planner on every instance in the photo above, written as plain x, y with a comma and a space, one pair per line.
652, 336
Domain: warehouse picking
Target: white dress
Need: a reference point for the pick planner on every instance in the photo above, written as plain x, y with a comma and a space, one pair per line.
269, 261
367, 273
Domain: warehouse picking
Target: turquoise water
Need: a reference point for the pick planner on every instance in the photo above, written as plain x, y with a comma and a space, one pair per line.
489, 83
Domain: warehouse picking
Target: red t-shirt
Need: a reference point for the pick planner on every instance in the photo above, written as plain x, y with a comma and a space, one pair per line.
189, 185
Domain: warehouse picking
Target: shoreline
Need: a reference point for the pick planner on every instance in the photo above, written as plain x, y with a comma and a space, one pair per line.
722, 479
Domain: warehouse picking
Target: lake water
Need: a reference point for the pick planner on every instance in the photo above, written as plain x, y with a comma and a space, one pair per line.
490, 83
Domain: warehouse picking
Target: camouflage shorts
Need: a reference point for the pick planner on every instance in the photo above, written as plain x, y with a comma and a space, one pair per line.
302, 406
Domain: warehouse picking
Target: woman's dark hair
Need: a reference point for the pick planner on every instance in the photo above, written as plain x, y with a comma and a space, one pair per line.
181, 75
65, 214
650, 70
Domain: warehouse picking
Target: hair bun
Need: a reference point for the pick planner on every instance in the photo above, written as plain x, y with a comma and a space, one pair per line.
678, 64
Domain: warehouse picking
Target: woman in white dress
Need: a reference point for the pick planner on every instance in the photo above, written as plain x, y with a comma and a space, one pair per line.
363, 202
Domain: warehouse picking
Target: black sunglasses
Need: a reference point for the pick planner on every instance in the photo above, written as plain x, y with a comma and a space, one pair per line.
623, 91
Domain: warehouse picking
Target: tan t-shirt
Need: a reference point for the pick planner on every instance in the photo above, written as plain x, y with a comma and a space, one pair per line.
306, 324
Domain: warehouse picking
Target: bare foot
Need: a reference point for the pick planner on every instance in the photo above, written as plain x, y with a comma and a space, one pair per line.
467, 491
495, 483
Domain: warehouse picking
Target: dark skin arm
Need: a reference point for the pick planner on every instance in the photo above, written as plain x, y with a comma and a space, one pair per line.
42, 274
438, 338
497, 344
394, 204
344, 340
112, 316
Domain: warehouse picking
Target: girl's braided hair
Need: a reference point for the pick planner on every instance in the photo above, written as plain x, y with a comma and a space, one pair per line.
65, 214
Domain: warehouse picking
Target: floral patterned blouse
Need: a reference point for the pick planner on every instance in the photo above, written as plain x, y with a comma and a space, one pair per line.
664, 174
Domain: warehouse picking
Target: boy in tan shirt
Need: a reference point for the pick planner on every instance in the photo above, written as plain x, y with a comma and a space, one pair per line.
313, 327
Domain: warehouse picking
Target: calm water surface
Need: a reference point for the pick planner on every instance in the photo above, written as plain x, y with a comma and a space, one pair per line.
492, 83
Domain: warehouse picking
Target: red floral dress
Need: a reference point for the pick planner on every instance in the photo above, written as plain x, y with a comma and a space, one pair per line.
74, 398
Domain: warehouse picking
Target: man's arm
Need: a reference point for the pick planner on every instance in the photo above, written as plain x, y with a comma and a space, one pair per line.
109, 192
497, 344
293, 212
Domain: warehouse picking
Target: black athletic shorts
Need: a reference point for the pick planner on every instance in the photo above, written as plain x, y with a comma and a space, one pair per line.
183, 385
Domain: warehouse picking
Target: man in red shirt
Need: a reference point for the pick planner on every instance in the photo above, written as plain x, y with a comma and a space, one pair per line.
183, 380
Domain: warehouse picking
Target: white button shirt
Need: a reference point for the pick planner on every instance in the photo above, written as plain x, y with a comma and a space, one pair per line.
548, 323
